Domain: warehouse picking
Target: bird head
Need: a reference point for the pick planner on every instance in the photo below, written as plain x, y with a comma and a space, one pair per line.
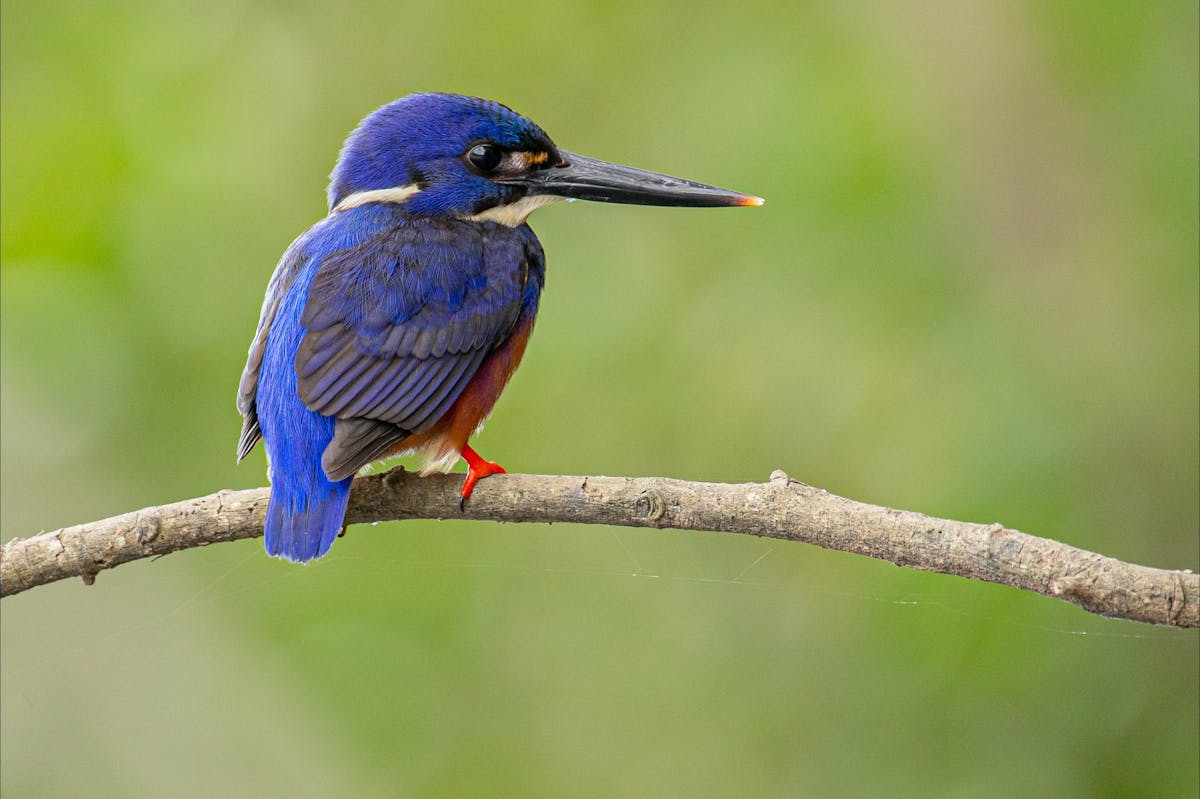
456, 156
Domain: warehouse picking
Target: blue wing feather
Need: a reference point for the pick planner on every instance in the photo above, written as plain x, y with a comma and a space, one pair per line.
427, 299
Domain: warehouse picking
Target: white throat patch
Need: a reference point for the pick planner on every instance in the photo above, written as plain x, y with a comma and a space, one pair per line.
515, 214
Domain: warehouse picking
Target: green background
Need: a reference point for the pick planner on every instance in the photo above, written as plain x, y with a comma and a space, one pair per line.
972, 292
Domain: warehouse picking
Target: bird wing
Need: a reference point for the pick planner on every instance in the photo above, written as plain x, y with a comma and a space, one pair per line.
397, 327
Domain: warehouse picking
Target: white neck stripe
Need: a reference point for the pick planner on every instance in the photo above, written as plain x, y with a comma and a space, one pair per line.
396, 194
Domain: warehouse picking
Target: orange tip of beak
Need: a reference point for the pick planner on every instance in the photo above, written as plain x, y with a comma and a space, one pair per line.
748, 200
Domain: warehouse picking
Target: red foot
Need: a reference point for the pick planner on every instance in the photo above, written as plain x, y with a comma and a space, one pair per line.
477, 468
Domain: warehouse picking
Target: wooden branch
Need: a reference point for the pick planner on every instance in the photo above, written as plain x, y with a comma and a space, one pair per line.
781, 508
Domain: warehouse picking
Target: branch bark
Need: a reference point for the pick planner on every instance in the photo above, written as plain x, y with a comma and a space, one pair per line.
781, 508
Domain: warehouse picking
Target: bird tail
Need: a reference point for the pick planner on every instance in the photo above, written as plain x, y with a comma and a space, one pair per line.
301, 525
306, 508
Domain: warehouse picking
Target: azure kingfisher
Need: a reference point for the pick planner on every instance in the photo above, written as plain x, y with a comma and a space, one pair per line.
393, 324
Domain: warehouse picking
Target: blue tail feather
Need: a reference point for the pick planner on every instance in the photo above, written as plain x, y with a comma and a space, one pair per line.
306, 509
301, 526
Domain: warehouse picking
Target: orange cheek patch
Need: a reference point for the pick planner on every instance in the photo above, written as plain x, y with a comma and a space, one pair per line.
535, 159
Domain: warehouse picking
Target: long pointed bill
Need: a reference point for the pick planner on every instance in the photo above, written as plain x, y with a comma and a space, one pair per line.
586, 178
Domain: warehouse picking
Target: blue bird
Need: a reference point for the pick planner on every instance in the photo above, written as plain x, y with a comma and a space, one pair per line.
393, 324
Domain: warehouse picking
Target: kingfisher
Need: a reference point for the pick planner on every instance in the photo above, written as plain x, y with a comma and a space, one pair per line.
392, 325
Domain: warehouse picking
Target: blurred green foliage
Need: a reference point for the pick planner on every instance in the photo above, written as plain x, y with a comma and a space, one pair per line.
972, 292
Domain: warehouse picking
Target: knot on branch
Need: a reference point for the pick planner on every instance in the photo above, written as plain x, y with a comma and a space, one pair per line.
649, 506
146, 528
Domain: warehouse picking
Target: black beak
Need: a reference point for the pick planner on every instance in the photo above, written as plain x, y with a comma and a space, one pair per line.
586, 178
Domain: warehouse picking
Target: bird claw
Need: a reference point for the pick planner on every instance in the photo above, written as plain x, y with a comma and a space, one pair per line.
477, 469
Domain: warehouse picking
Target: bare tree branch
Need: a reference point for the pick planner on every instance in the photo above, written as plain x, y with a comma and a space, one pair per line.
781, 508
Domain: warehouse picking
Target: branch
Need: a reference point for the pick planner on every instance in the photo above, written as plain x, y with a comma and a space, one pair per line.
781, 508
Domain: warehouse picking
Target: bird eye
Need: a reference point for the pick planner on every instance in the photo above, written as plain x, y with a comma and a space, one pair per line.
485, 157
